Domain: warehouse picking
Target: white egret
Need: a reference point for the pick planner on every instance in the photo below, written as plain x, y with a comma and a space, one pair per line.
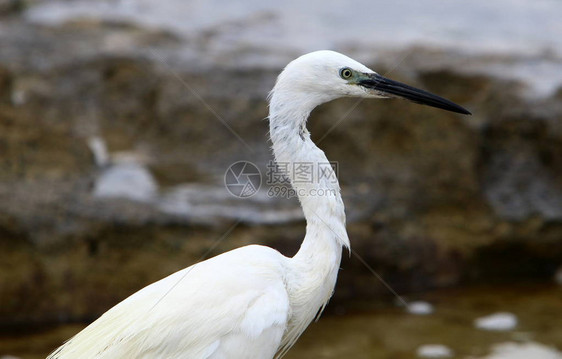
253, 302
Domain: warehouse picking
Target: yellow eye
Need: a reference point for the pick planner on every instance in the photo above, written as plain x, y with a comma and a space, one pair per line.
346, 73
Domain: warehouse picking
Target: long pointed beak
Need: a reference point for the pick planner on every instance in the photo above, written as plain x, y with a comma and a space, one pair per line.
387, 87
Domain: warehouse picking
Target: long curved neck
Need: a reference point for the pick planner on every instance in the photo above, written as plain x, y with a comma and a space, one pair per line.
311, 174
313, 271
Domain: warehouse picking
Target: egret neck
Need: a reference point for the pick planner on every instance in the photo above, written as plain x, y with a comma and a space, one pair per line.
314, 268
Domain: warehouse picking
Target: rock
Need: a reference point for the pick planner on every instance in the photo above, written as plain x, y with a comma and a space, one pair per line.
558, 276
497, 322
99, 150
10, 7
433, 199
518, 183
130, 181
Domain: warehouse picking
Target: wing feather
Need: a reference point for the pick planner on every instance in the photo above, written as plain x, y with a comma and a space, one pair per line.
234, 303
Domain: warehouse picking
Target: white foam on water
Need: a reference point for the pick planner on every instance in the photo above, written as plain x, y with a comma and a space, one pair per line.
501, 321
529, 350
434, 351
420, 308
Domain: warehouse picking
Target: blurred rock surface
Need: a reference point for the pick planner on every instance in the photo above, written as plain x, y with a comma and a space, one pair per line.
433, 199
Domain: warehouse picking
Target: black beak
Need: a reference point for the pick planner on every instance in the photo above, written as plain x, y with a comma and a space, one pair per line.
391, 88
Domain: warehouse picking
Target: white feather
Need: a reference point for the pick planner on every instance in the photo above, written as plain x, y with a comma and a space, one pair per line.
239, 294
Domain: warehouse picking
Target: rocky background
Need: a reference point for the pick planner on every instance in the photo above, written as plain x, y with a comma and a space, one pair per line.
113, 146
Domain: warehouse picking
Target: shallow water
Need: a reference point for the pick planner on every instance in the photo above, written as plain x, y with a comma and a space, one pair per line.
490, 26
390, 332
385, 330
262, 34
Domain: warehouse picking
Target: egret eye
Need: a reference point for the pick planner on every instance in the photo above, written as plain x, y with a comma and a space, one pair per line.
346, 73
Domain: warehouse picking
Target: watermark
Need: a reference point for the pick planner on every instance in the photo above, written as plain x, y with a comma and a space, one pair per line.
289, 192
284, 179
285, 173
242, 179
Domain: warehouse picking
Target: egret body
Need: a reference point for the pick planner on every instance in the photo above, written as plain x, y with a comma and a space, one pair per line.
253, 302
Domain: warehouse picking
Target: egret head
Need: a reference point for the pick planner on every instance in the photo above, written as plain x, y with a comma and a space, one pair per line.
322, 76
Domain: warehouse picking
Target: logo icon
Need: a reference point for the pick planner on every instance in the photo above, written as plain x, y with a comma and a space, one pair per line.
242, 179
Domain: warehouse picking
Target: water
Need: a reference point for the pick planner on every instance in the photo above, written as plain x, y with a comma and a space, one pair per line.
480, 25
523, 37
381, 329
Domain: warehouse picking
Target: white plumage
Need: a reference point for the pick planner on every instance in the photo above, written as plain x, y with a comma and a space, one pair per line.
252, 302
